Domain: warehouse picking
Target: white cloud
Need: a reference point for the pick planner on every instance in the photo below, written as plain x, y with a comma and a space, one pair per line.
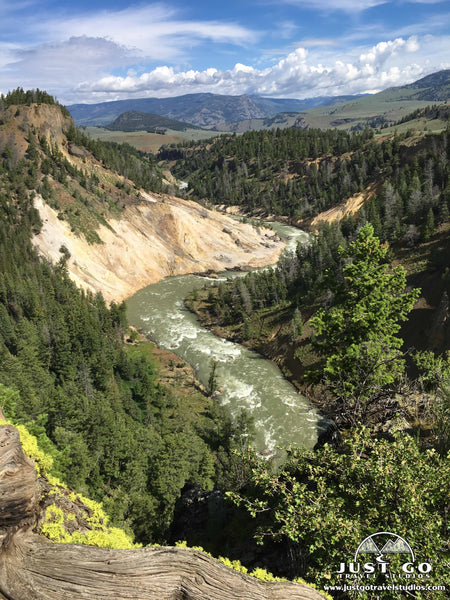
151, 30
8, 52
320, 42
285, 29
296, 75
384, 50
61, 65
58, 51
351, 6
79, 57
348, 6
427, 1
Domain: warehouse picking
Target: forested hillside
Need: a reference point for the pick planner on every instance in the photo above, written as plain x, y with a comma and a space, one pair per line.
401, 182
133, 120
97, 404
297, 173
283, 172
337, 316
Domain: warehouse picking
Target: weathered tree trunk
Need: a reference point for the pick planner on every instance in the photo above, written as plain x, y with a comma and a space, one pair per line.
18, 482
33, 568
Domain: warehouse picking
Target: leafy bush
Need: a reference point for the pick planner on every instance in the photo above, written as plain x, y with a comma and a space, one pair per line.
329, 500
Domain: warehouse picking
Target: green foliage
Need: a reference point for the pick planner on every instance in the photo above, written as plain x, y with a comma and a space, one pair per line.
43, 462
434, 378
212, 379
99, 410
133, 120
20, 96
236, 565
296, 327
53, 526
433, 370
295, 281
327, 501
300, 173
8, 401
357, 333
139, 167
440, 409
276, 171
98, 533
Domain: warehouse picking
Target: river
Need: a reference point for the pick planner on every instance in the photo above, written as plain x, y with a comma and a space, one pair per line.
248, 381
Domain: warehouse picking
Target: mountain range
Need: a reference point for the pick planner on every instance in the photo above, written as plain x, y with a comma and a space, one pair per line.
202, 110
374, 110
244, 112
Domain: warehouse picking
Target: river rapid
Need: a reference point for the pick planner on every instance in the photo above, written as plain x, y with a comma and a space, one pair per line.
281, 415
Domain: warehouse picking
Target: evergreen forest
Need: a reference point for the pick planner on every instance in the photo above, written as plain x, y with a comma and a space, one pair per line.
357, 318
342, 318
116, 433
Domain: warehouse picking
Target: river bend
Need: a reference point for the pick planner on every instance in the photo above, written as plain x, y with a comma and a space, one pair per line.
248, 381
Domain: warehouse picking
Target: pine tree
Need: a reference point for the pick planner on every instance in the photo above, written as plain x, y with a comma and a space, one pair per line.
357, 335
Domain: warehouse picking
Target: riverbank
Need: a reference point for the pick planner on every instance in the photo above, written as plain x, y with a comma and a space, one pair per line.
267, 332
249, 383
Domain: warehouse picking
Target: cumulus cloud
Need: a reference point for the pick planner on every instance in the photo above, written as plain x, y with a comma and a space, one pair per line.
111, 54
296, 75
379, 53
59, 50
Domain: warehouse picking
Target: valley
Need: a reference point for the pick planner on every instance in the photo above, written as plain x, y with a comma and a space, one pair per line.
243, 113
103, 254
244, 381
148, 142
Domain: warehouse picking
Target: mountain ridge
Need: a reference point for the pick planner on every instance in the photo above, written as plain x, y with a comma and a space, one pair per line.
203, 109
236, 113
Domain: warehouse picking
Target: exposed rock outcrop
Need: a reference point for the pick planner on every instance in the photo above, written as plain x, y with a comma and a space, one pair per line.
154, 238
120, 238
33, 568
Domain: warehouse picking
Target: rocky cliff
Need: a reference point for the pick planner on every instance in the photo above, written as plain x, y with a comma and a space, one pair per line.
154, 238
120, 237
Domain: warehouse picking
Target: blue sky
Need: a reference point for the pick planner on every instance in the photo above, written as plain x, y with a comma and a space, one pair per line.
92, 51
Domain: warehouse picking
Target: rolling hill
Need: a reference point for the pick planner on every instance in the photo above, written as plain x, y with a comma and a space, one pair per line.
133, 120
376, 110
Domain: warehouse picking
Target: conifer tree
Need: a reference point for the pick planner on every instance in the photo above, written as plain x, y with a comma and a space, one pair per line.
357, 334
